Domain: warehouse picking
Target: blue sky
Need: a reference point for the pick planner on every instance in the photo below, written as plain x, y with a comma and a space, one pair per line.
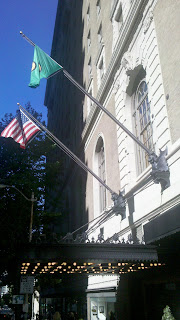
36, 18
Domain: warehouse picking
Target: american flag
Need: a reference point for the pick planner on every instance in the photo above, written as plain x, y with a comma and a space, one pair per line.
21, 129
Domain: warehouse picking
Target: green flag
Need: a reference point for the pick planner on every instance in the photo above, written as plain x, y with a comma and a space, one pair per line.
42, 67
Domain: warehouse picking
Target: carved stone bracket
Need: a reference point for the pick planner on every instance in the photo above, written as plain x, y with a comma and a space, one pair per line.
160, 170
119, 203
127, 62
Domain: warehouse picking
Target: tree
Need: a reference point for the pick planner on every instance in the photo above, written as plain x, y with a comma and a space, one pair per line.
167, 315
29, 172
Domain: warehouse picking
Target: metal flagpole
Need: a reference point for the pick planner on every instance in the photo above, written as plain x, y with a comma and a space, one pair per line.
160, 170
64, 148
118, 199
67, 75
70, 78
31, 219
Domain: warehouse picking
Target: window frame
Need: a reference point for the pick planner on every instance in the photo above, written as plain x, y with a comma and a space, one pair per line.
89, 41
116, 17
101, 68
100, 193
119, 17
142, 125
89, 69
100, 37
98, 8
88, 14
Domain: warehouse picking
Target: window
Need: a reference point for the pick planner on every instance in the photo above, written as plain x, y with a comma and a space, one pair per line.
89, 102
88, 15
89, 41
98, 7
103, 306
100, 36
89, 69
101, 173
100, 63
101, 69
118, 18
143, 125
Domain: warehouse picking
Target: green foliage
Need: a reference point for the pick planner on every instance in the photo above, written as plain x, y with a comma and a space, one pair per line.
167, 315
29, 172
6, 299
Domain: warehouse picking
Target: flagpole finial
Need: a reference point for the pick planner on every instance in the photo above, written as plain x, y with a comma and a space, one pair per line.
25, 37
22, 34
18, 103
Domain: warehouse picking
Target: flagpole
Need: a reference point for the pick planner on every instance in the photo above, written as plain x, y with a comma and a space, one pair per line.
160, 169
64, 148
27, 39
72, 80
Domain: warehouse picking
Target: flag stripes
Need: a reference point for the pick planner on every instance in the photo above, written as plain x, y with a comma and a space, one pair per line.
21, 129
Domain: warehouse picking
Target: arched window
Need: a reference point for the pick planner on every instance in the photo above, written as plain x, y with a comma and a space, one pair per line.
100, 157
143, 125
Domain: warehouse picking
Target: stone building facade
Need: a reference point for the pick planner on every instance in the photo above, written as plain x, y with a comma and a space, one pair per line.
125, 54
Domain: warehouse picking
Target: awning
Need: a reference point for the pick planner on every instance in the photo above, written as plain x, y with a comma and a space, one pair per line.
163, 226
87, 258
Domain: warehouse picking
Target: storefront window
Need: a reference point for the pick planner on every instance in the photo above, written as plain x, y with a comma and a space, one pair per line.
103, 308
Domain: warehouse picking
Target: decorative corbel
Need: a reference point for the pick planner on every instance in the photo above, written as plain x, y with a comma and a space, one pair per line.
160, 170
127, 62
119, 203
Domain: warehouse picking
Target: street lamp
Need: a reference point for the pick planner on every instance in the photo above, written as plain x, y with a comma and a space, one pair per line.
32, 205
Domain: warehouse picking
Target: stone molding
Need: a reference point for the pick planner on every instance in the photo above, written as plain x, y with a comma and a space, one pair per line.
128, 27
148, 21
127, 62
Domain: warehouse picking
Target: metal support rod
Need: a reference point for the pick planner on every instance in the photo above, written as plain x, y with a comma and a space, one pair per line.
27, 305
70, 78
31, 218
67, 75
160, 170
65, 149
32, 205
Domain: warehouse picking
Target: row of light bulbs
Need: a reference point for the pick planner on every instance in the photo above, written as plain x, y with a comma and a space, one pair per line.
86, 267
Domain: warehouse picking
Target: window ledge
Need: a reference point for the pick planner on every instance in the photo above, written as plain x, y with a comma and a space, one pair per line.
89, 82
99, 53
